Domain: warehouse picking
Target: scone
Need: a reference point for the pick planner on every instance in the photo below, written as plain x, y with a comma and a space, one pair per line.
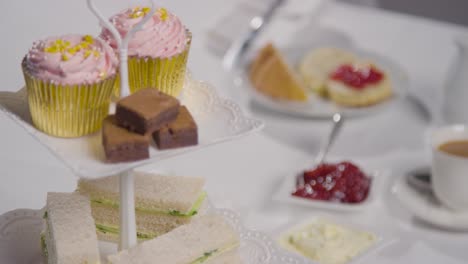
272, 76
359, 84
317, 65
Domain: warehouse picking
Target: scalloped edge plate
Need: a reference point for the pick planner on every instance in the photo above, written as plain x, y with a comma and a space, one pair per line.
219, 120
20, 240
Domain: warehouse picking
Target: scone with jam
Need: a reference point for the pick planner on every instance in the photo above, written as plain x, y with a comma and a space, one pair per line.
359, 84
317, 65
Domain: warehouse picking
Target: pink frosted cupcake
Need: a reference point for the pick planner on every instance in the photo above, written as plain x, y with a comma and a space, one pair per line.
70, 80
157, 55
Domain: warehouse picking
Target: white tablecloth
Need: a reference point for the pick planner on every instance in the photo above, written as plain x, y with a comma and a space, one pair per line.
244, 174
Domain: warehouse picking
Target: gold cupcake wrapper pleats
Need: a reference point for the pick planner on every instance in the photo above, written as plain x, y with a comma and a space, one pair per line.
165, 74
68, 110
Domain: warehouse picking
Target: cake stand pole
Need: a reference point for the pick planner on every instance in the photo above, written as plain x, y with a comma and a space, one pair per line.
128, 236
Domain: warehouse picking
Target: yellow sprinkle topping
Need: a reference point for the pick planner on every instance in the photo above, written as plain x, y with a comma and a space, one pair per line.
74, 50
65, 49
51, 49
139, 12
163, 14
96, 53
88, 39
87, 53
102, 74
57, 46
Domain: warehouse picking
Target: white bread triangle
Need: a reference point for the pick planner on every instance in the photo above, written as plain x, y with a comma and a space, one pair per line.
152, 191
182, 245
70, 234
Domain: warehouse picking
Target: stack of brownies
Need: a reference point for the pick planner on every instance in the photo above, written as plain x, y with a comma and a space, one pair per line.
145, 115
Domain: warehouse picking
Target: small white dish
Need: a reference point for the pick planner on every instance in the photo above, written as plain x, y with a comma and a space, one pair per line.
284, 194
21, 229
218, 120
425, 206
380, 241
317, 107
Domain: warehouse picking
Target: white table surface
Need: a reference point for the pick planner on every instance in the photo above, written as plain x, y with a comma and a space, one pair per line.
244, 174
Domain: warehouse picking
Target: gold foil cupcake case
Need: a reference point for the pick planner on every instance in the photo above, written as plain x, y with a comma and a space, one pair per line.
68, 110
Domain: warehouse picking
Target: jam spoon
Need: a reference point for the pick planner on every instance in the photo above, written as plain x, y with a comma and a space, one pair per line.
338, 120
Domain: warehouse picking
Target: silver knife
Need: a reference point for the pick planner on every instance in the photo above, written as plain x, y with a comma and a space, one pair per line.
239, 47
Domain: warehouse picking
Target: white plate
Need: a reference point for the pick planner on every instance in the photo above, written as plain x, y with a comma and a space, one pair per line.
218, 120
425, 206
20, 240
284, 194
381, 240
317, 107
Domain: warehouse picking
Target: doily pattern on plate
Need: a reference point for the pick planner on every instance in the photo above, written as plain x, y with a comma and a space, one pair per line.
256, 247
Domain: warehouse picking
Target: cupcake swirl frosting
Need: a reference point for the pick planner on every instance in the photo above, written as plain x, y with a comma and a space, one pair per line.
162, 36
71, 59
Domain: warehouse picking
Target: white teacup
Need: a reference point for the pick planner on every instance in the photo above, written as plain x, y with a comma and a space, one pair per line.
450, 172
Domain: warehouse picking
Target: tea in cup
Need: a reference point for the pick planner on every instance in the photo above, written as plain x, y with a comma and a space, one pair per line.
450, 166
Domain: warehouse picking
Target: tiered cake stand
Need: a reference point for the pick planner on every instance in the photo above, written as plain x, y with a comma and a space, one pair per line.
218, 120
127, 197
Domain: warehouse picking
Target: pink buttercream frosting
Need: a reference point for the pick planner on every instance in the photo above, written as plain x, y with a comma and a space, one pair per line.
71, 60
162, 36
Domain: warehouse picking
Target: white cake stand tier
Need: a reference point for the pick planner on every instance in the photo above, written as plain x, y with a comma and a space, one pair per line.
218, 120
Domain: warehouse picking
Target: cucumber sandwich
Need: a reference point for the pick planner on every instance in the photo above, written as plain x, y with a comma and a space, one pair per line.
69, 235
162, 203
206, 240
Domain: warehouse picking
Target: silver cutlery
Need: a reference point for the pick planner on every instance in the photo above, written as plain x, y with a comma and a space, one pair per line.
337, 125
239, 47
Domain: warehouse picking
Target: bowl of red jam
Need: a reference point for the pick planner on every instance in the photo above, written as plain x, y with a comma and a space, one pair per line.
342, 186
342, 182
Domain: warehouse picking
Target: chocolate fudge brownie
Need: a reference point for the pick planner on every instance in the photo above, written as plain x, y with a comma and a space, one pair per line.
181, 132
146, 111
121, 145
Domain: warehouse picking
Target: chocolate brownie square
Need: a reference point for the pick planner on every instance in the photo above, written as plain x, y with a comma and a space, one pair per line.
121, 145
146, 111
181, 132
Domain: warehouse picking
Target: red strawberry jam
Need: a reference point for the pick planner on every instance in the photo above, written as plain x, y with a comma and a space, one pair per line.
357, 77
343, 182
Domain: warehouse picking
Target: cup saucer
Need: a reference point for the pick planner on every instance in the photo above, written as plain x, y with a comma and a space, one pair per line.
424, 205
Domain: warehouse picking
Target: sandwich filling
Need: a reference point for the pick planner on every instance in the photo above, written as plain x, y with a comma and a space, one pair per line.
113, 230
44, 233
211, 254
193, 211
44, 245
144, 231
